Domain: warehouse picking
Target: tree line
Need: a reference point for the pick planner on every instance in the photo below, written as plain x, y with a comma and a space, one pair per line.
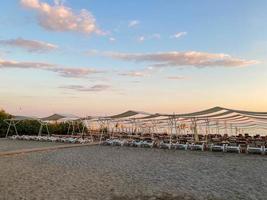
31, 127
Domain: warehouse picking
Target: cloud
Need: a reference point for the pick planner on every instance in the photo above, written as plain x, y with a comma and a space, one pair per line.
112, 39
142, 73
133, 23
30, 45
154, 36
25, 65
141, 39
175, 77
62, 71
178, 35
60, 18
75, 72
81, 88
181, 59
133, 74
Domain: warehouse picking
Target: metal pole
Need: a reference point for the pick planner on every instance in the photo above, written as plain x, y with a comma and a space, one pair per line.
40, 130
48, 133
9, 125
14, 124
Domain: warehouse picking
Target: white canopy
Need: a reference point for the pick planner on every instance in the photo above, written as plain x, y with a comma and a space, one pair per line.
56, 117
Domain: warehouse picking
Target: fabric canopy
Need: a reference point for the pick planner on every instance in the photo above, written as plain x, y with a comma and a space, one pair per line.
56, 117
129, 113
22, 118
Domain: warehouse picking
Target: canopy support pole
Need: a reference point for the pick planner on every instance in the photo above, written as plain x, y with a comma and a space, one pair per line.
11, 123
42, 124
194, 123
207, 129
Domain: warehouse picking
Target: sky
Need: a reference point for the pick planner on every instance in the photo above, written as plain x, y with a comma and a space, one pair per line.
101, 57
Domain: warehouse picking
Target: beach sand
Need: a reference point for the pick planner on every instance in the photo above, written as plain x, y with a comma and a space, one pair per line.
117, 173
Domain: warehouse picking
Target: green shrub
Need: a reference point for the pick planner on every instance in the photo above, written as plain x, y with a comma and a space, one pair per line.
3, 125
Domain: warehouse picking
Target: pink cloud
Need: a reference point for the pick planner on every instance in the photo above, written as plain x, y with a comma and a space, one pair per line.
133, 74
82, 88
62, 71
30, 45
175, 77
180, 59
58, 17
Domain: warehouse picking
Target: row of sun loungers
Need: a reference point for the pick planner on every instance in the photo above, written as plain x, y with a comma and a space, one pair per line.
124, 142
238, 148
183, 143
72, 140
226, 148
151, 144
201, 146
182, 146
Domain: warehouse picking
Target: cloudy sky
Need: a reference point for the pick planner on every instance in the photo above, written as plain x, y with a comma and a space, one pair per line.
91, 57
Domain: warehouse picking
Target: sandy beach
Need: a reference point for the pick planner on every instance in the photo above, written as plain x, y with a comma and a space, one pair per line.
102, 172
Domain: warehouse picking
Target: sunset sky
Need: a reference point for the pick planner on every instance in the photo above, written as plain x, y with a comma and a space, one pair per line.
97, 57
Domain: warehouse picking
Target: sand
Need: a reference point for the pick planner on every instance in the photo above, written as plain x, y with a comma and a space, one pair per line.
117, 173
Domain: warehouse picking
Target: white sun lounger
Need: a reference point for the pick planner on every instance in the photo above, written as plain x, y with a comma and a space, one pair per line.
163, 145
108, 142
232, 148
123, 142
137, 143
217, 147
251, 149
116, 142
148, 144
196, 146
83, 141
181, 146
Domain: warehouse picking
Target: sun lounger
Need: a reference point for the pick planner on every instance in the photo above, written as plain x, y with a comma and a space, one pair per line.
232, 148
137, 143
71, 140
52, 139
107, 142
116, 142
122, 142
149, 144
181, 146
196, 146
164, 145
255, 149
217, 147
